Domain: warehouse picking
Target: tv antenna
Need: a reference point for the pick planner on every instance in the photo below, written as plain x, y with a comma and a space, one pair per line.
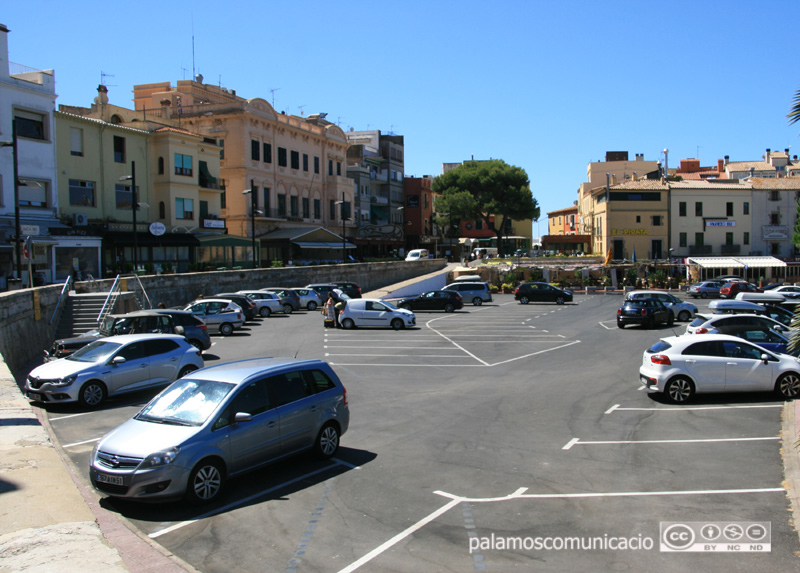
272, 91
301, 109
103, 77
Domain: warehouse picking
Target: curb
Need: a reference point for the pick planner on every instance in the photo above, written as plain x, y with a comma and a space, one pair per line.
791, 459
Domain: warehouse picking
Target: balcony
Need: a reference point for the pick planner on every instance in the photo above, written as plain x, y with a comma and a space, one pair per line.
731, 249
695, 250
210, 182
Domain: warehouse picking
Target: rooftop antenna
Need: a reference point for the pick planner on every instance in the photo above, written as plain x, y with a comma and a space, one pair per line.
273, 95
698, 152
103, 77
184, 70
301, 109
339, 121
193, 72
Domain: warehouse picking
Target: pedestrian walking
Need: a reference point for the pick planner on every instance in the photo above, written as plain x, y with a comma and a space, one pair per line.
329, 312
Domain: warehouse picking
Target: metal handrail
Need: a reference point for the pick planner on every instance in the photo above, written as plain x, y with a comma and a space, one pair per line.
115, 291
64, 290
106, 303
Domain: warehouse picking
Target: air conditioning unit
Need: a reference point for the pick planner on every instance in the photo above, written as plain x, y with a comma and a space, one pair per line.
80, 219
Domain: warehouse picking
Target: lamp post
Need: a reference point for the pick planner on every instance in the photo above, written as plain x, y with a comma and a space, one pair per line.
134, 208
18, 227
341, 212
252, 222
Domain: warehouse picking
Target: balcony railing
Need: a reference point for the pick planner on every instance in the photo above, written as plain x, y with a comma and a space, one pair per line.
209, 182
731, 249
700, 250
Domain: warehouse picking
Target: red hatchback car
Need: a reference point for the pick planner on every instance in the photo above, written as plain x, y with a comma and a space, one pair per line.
731, 289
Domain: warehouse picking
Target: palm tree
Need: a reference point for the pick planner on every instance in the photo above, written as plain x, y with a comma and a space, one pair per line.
794, 115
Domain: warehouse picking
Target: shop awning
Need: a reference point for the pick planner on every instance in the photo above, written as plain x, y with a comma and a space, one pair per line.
735, 263
142, 239
313, 245
224, 241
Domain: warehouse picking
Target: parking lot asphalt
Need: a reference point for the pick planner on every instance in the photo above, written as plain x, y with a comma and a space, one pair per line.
49, 520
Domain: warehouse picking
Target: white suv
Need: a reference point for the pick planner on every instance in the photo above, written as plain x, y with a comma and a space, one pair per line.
477, 293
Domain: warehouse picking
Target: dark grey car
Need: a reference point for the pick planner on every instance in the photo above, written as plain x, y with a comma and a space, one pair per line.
194, 329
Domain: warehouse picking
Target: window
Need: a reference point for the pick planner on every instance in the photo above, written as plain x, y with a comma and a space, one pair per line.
774, 195
161, 166
30, 196
124, 197
316, 164
221, 148
682, 209
287, 388
76, 141
295, 160
698, 209
30, 124
746, 238
317, 209
658, 220
774, 218
728, 239
729, 209
333, 210
306, 208
266, 201
81, 193
281, 205
119, 149
338, 168
267, 153
223, 200
162, 210
282, 157
330, 166
638, 218
184, 208
681, 239
698, 239
293, 207
746, 208
255, 148
183, 164
305, 162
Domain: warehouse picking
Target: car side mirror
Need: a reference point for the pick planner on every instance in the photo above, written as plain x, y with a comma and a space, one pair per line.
118, 360
765, 358
242, 417
180, 330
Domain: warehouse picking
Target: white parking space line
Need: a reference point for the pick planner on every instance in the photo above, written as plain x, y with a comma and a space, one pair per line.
247, 499
70, 416
520, 494
72, 445
617, 408
577, 442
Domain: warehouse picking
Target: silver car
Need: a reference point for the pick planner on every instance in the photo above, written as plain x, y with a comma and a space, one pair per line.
219, 422
113, 365
266, 302
221, 314
681, 311
309, 298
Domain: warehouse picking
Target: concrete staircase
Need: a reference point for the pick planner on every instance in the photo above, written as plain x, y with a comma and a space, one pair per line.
80, 314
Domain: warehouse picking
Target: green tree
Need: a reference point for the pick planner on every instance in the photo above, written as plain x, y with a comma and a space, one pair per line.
492, 190
794, 114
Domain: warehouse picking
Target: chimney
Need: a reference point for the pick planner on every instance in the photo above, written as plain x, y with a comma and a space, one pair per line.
727, 159
720, 166
769, 151
4, 50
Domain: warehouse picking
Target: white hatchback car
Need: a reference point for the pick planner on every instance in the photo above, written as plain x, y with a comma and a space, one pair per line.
709, 324
266, 302
680, 366
374, 312
681, 311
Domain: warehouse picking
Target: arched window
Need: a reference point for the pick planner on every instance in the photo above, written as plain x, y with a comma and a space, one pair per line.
162, 210
161, 166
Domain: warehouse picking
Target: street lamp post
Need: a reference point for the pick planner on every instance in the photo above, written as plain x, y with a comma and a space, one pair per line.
134, 208
18, 227
344, 240
252, 222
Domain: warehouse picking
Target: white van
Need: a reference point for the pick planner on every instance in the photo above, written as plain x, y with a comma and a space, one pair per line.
417, 255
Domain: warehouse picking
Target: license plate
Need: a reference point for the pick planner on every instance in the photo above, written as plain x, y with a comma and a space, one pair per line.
644, 380
113, 480
36, 396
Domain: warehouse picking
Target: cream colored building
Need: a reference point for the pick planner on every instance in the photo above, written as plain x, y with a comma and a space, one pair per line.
293, 167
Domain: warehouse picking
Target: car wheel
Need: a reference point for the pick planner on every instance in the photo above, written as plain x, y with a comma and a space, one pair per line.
788, 385
348, 323
226, 329
684, 315
92, 394
264, 312
205, 482
449, 307
311, 306
287, 309
679, 390
327, 442
649, 322
560, 300
524, 299
671, 319
703, 295
620, 325
477, 301
397, 323
186, 369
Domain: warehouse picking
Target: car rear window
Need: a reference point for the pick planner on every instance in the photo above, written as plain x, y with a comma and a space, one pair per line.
698, 321
659, 346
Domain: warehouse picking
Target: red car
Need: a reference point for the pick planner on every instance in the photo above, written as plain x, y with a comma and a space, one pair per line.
731, 289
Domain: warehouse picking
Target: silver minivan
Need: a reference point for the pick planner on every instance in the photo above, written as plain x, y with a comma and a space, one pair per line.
218, 422
475, 292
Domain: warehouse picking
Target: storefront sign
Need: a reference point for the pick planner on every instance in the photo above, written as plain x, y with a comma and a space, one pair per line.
214, 223
721, 224
629, 232
157, 229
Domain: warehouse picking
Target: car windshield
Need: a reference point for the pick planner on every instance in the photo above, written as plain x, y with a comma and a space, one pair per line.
97, 351
186, 402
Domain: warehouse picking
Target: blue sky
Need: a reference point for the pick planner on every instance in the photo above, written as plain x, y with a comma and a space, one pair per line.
548, 86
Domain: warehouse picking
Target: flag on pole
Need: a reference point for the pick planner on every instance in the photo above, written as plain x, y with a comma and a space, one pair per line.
634, 253
608, 257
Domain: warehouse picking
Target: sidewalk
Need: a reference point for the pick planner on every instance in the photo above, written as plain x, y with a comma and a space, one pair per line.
49, 521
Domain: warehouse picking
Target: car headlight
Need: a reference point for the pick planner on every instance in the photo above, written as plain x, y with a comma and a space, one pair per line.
163, 458
65, 381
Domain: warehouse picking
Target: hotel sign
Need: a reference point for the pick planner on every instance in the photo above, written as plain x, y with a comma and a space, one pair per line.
629, 232
720, 223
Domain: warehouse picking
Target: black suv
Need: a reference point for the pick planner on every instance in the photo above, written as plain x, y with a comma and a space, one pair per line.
644, 311
541, 292
248, 306
137, 322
